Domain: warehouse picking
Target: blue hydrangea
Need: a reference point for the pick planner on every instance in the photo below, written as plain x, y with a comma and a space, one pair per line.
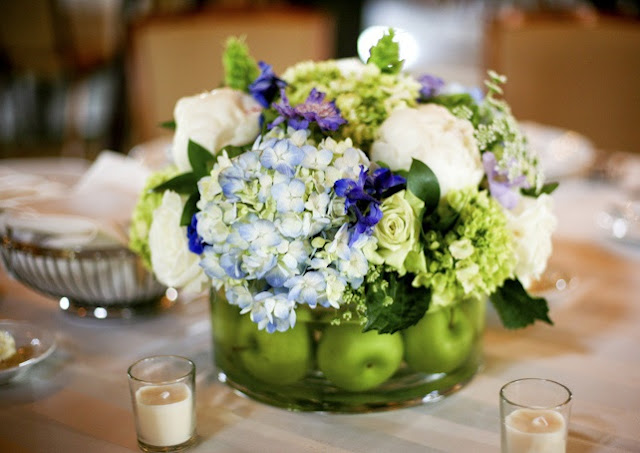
274, 231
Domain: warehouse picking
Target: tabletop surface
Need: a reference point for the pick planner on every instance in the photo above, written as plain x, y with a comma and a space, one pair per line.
77, 400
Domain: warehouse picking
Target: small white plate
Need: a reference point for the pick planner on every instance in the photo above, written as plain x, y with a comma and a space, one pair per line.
562, 152
39, 344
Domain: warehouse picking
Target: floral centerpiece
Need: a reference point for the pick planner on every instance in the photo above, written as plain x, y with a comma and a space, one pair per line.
350, 221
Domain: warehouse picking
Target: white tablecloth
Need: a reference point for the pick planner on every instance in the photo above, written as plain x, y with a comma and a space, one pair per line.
78, 399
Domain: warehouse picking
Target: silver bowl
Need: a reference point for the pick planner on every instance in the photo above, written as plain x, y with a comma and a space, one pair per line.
104, 282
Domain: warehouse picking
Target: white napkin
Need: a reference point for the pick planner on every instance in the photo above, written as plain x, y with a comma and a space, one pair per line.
96, 210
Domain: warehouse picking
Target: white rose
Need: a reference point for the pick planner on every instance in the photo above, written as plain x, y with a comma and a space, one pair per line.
532, 223
431, 134
172, 262
215, 119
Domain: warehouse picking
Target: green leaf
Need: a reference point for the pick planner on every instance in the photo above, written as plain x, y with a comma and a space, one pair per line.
240, 70
547, 188
424, 184
184, 184
517, 308
168, 125
190, 208
386, 54
393, 304
200, 158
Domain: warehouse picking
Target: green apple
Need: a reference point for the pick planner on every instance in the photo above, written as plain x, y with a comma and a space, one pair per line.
357, 361
276, 358
476, 310
224, 327
440, 342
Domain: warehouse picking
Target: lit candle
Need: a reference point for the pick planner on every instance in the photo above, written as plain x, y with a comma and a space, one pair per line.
535, 431
164, 414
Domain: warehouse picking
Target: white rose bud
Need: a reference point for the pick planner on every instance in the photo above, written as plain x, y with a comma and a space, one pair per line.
431, 134
532, 223
172, 262
215, 119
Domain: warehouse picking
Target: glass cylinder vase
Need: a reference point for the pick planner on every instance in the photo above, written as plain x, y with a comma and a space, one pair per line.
321, 366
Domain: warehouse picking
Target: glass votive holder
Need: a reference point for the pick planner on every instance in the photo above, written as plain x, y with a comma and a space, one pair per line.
163, 397
534, 415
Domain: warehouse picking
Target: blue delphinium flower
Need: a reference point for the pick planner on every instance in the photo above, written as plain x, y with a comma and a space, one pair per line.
382, 180
363, 198
196, 244
265, 88
354, 191
500, 186
314, 110
431, 86
365, 222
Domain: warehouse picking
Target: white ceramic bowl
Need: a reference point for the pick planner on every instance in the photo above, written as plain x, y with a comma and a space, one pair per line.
36, 343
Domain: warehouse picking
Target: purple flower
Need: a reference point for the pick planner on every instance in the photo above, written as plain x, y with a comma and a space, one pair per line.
363, 198
431, 86
314, 110
365, 223
196, 245
476, 94
354, 191
288, 113
383, 179
501, 187
266, 86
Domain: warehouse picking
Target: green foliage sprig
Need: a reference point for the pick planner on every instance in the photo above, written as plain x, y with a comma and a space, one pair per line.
386, 54
240, 69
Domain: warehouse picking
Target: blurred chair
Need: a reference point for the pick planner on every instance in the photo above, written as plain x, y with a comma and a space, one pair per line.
575, 70
60, 77
175, 56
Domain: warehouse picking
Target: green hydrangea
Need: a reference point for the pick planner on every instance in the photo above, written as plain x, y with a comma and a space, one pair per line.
143, 213
365, 97
474, 256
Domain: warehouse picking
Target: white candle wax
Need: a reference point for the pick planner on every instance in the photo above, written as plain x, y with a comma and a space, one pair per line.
535, 431
164, 414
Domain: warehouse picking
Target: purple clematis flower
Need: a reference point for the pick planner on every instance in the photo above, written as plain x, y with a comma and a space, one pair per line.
501, 187
266, 86
314, 110
196, 245
431, 86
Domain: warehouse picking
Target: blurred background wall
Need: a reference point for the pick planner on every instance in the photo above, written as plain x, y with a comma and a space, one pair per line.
79, 76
